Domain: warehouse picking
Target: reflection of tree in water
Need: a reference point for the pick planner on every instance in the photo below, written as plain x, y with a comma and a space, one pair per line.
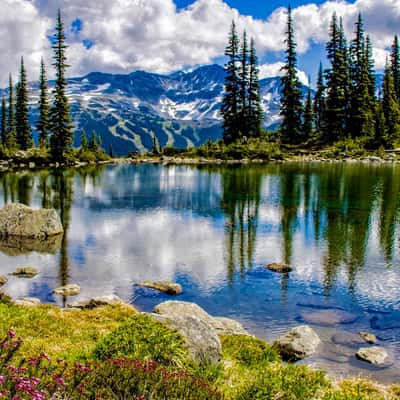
240, 203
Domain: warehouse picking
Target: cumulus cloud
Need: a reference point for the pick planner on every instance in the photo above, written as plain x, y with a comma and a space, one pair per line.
125, 35
275, 69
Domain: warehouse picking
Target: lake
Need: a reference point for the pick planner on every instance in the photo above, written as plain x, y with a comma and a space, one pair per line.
213, 229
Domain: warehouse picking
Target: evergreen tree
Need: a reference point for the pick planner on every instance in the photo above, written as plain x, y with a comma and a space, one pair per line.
23, 129
3, 122
308, 118
244, 85
291, 100
380, 133
42, 124
60, 119
93, 142
371, 70
337, 78
255, 112
230, 102
395, 65
390, 107
11, 140
84, 142
111, 151
320, 102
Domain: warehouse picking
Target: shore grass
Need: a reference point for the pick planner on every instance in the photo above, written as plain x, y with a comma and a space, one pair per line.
250, 368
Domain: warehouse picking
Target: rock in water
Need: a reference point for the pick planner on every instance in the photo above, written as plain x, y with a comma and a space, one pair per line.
200, 337
3, 280
68, 290
299, 342
95, 302
20, 220
279, 267
328, 317
373, 355
27, 301
368, 337
163, 286
25, 272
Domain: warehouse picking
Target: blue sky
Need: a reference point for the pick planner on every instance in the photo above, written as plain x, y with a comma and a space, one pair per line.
162, 36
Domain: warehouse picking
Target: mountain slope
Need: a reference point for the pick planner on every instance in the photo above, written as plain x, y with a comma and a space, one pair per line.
181, 109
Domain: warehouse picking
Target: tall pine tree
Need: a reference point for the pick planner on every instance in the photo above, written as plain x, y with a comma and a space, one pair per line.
11, 139
244, 84
390, 107
42, 124
231, 100
308, 118
23, 129
337, 82
60, 119
320, 102
291, 100
395, 65
255, 112
3, 122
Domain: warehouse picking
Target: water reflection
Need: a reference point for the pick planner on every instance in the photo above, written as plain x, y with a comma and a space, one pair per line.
213, 229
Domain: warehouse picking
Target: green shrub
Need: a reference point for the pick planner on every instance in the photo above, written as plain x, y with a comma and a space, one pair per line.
142, 338
170, 151
289, 382
248, 350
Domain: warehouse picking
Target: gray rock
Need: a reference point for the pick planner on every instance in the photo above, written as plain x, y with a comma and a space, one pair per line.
68, 290
347, 339
25, 272
279, 268
201, 339
95, 302
227, 326
163, 286
368, 337
328, 317
3, 280
27, 301
15, 245
20, 220
299, 342
372, 355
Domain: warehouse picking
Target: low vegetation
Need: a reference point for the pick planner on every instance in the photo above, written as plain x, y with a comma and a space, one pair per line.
114, 352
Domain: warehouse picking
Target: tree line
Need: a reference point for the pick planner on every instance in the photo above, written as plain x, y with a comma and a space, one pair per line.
347, 103
54, 126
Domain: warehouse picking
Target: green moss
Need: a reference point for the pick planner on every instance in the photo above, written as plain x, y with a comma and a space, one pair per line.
143, 338
248, 350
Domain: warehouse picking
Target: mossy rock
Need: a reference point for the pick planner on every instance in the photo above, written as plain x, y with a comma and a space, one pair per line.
143, 338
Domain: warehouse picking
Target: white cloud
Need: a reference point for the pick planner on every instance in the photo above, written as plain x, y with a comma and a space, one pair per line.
155, 36
275, 69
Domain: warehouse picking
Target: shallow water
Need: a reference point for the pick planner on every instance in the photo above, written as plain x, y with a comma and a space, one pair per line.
213, 229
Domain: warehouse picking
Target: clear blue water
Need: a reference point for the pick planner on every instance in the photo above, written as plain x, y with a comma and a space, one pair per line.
213, 229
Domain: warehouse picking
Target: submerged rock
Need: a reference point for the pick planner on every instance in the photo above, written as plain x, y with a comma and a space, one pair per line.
163, 286
25, 272
328, 317
27, 301
20, 220
298, 343
373, 355
368, 337
347, 339
384, 322
3, 280
68, 290
279, 268
95, 302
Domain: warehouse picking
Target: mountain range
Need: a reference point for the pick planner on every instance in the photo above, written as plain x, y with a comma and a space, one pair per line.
180, 109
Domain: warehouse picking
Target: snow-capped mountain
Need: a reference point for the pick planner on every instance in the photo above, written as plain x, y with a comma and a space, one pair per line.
181, 109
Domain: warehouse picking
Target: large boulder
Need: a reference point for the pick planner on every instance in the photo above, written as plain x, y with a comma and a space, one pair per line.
94, 302
228, 326
372, 355
162, 286
299, 342
201, 339
22, 221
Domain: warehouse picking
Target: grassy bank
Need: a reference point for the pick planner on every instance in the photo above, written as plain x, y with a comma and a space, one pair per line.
266, 149
152, 361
